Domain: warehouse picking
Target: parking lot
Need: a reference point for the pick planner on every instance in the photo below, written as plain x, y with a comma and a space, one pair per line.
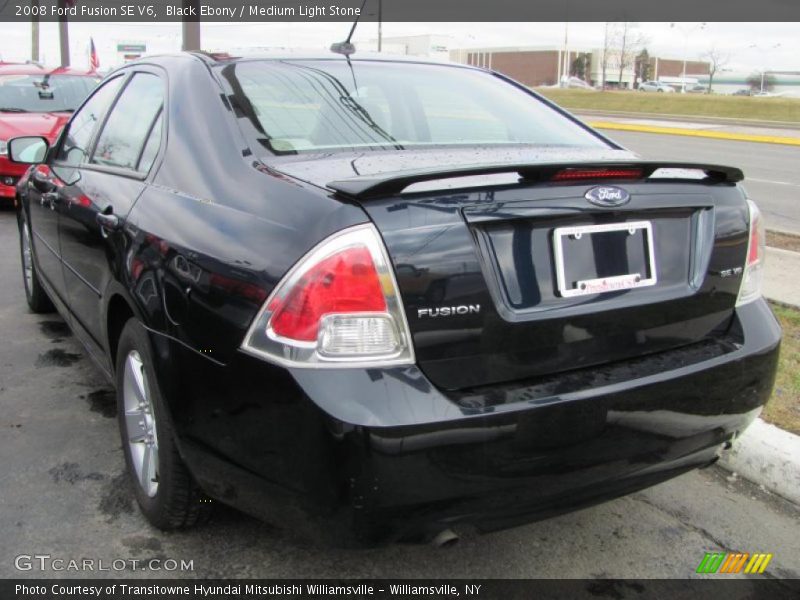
63, 493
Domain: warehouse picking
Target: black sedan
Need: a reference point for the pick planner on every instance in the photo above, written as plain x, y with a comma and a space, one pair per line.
397, 295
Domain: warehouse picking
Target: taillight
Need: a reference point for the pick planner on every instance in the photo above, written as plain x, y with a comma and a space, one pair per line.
753, 273
337, 307
579, 174
346, 282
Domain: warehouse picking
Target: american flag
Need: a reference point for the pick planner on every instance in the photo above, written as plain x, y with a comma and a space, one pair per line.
94, 62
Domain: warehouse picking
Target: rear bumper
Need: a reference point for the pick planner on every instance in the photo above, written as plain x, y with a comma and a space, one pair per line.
389, 444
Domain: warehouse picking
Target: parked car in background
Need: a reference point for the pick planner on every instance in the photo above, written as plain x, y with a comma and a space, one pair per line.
697, 88
35, 100
397, 295
655, 86
576, 83
743, 92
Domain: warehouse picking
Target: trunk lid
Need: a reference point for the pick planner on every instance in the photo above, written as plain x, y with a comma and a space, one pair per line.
489, 275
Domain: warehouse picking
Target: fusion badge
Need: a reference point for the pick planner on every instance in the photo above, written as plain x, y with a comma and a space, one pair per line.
449, 311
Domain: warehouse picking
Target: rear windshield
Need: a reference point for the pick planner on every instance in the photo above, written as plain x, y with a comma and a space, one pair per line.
298, 106
44, 93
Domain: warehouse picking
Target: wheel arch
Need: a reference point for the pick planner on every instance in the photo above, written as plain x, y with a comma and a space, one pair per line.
118, 310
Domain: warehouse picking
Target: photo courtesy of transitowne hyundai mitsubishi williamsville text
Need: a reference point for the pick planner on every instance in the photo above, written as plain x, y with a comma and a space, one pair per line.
389, 297
230, 590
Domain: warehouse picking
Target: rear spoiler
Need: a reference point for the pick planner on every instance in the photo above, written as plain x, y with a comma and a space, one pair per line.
365, 187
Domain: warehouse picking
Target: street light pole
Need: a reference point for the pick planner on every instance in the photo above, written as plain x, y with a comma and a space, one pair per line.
763, 66
190, 30
380, 25
63, 34
35, 31
686, 32
564, 78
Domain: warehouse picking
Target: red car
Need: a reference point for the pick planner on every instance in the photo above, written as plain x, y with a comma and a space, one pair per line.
35, 100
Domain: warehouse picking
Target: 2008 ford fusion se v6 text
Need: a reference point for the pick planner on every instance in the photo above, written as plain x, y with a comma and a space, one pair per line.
396, 295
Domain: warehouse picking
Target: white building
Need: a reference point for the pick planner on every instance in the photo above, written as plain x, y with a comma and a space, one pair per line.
429, 45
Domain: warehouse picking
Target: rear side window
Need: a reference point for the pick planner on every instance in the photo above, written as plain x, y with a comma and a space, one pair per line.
150, 149
122, 142
84, 124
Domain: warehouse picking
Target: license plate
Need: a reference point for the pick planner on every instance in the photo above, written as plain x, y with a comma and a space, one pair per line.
597, 259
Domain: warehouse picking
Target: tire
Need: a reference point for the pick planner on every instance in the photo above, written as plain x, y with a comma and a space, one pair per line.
37, 298
164, 489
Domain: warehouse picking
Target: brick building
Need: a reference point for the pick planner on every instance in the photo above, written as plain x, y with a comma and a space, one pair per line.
673, 67
546, 66
531, 66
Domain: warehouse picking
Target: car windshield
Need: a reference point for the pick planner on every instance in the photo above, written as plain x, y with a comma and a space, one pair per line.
44, 93
328, 105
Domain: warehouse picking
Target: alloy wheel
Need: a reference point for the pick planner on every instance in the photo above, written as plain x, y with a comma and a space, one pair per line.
140, 424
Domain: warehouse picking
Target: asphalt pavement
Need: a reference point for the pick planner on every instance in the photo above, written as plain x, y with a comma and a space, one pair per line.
772, 172
63, 493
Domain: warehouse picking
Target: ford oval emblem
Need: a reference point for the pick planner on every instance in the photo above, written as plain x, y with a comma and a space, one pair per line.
607, 195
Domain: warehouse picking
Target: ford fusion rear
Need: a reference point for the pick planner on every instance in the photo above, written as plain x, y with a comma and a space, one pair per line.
399, 296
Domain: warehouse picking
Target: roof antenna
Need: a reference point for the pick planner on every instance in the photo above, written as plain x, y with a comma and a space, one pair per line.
345, 47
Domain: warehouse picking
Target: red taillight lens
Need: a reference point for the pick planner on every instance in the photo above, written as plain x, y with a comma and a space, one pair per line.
338, 307
754, 254
753, 272
346, 282
584, 174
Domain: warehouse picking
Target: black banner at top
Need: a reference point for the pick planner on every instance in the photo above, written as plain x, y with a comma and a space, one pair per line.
399, 10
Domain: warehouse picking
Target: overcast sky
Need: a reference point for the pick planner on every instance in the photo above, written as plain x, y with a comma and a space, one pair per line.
734, 39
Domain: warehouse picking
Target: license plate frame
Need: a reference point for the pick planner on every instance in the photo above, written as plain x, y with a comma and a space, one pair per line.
603, 285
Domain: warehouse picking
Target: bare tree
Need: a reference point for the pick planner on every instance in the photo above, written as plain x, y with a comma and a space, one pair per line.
716, 60
630, 41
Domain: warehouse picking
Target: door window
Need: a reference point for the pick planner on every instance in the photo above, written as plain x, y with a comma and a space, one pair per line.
122, 141
81, 129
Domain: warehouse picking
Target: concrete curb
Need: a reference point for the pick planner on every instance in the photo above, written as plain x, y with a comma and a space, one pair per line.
719, 135
774, 229
767, 456
588, 113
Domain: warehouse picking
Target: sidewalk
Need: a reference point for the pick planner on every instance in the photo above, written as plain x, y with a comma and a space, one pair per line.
766, 455
699, 127
782, 276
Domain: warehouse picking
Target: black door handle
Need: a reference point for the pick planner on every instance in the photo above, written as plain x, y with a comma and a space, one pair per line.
109, 222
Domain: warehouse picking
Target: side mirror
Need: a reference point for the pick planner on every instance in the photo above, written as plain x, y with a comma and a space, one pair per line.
28, 150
